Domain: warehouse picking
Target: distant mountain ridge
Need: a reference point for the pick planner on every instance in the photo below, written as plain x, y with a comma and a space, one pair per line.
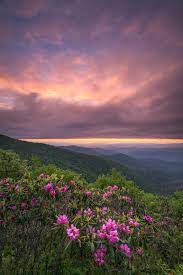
158, 172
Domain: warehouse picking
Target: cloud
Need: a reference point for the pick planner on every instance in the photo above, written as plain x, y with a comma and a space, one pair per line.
145, 114
86, 68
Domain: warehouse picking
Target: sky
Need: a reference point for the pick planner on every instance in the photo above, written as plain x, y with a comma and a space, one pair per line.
76, 69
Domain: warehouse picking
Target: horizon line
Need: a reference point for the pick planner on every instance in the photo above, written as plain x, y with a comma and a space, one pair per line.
106, 140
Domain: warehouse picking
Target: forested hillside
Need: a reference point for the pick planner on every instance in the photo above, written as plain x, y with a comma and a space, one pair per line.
89, 166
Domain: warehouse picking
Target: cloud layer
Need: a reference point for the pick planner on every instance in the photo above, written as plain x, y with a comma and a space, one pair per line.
91, 69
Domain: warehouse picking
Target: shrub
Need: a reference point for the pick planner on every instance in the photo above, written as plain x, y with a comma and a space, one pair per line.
55, 224
11, 165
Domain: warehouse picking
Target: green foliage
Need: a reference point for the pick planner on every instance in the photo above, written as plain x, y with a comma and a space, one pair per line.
11, 165
114, 177
176, 204
31, 242
90, 167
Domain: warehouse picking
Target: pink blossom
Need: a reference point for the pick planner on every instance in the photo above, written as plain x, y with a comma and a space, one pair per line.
113, 236
148, 218
41, 176
33, 202
100, 255
88, 212
17, 187
124, 228
13, 207
88, 194
104, 210
52, 193
115, 188
111, 224
133, 223
139, 251
101, 234
130, 213
4, 181
64, 188
106, 195
23, 205
58, 189
47, 177
62, 219
125, 249
48, 187
109, 231
73, 232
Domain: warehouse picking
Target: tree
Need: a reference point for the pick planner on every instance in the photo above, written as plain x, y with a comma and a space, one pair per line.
11, 165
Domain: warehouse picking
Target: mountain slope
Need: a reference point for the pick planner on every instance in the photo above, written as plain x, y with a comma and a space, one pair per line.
87, 165
159, 175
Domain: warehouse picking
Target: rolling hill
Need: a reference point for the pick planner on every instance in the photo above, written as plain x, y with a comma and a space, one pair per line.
90, 166
160, 175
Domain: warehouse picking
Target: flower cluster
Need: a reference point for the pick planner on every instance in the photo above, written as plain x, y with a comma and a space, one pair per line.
99, 255
148, 218
62, 219
109, 231
125, 249
73, 232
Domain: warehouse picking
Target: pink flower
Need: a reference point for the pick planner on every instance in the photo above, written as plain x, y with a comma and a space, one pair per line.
113, 236
88, 212
13, 207
101, 234
17, 187
130, 213
23, 205
4, 181
127, 199
73, 232
47, 177
148, 218
33, 202
62, 219
104, 210
41, 176
133, 223
124, 228
125, 249
115, 188
64, 188
111, 224
58, 189
52, 193
139, 251
109, 231
106, 195
100, 255
48, 187
88, 194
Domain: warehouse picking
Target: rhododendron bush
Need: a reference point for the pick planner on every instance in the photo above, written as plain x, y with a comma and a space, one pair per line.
53, 226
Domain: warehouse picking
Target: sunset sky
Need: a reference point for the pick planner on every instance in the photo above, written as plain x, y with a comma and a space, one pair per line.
91, 69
